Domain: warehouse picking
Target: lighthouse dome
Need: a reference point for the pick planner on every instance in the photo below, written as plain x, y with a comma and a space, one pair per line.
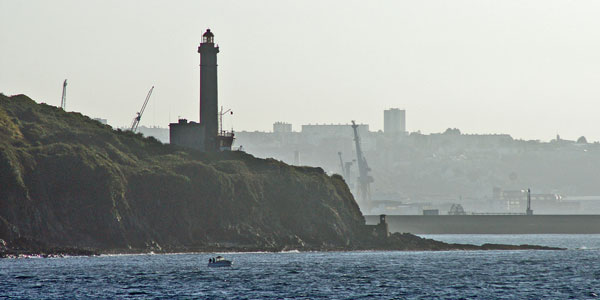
208, 37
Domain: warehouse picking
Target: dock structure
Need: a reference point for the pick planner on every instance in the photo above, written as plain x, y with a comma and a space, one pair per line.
492, 224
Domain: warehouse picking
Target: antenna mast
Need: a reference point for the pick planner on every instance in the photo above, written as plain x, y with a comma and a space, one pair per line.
221, 113
63, 102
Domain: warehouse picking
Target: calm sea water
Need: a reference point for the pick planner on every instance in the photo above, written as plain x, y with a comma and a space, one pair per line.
571, 274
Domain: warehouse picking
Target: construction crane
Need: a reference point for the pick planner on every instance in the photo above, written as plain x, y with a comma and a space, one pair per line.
348, 168
63, 102
342, 164
136, 120
364, 179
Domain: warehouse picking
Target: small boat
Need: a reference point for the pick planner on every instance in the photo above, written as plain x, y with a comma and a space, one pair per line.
219, 261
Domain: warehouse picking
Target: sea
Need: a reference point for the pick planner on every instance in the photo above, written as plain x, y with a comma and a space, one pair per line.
570, 274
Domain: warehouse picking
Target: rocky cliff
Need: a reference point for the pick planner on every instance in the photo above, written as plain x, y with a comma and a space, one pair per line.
69, 181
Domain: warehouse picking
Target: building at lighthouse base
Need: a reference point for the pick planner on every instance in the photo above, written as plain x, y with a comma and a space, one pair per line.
193, 135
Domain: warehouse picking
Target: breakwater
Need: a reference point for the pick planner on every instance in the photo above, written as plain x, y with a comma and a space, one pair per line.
492, 224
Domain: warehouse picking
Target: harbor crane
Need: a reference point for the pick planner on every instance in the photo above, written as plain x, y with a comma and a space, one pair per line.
136, 120
364, 179
63, 102
346, 169
342, 164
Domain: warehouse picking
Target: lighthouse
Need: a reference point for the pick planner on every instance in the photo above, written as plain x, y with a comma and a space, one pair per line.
209, 89
204, 135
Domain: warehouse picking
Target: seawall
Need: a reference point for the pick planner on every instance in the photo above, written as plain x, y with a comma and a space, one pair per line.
492, 224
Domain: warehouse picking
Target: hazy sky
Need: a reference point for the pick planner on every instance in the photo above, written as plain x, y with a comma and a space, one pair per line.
527, 68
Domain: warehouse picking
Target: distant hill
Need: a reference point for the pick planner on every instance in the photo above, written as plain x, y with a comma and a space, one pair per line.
448, 167
159, 133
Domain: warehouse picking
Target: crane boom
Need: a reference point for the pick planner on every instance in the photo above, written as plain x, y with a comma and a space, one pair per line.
342, 164
136, 120
63, 102
364, 179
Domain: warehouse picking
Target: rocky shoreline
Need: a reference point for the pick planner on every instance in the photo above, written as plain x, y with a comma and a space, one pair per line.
26, 248
74, 186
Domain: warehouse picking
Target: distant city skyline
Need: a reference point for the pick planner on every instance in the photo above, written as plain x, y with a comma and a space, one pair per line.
526, 68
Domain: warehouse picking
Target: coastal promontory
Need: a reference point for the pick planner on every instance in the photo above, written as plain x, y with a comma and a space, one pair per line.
69, 182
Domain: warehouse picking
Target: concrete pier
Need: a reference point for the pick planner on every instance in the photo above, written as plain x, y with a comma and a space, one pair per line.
492, 224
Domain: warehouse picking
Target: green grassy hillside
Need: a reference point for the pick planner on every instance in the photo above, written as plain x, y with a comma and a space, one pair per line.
68, 180
69, 184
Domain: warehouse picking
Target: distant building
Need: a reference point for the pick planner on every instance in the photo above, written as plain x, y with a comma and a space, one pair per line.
281, 127
334, 130
431, 212
159, 133
394, 121
516, 201
205, 135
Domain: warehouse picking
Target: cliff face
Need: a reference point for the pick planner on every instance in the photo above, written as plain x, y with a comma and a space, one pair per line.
70, 181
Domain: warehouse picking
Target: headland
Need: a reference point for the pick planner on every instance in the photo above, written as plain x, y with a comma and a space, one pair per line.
71, 185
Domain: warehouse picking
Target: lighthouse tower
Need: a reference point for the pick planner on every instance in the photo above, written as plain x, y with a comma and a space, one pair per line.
208, 89
204, 135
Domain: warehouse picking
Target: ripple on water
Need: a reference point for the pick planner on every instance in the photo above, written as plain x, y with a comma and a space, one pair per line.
332, 275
